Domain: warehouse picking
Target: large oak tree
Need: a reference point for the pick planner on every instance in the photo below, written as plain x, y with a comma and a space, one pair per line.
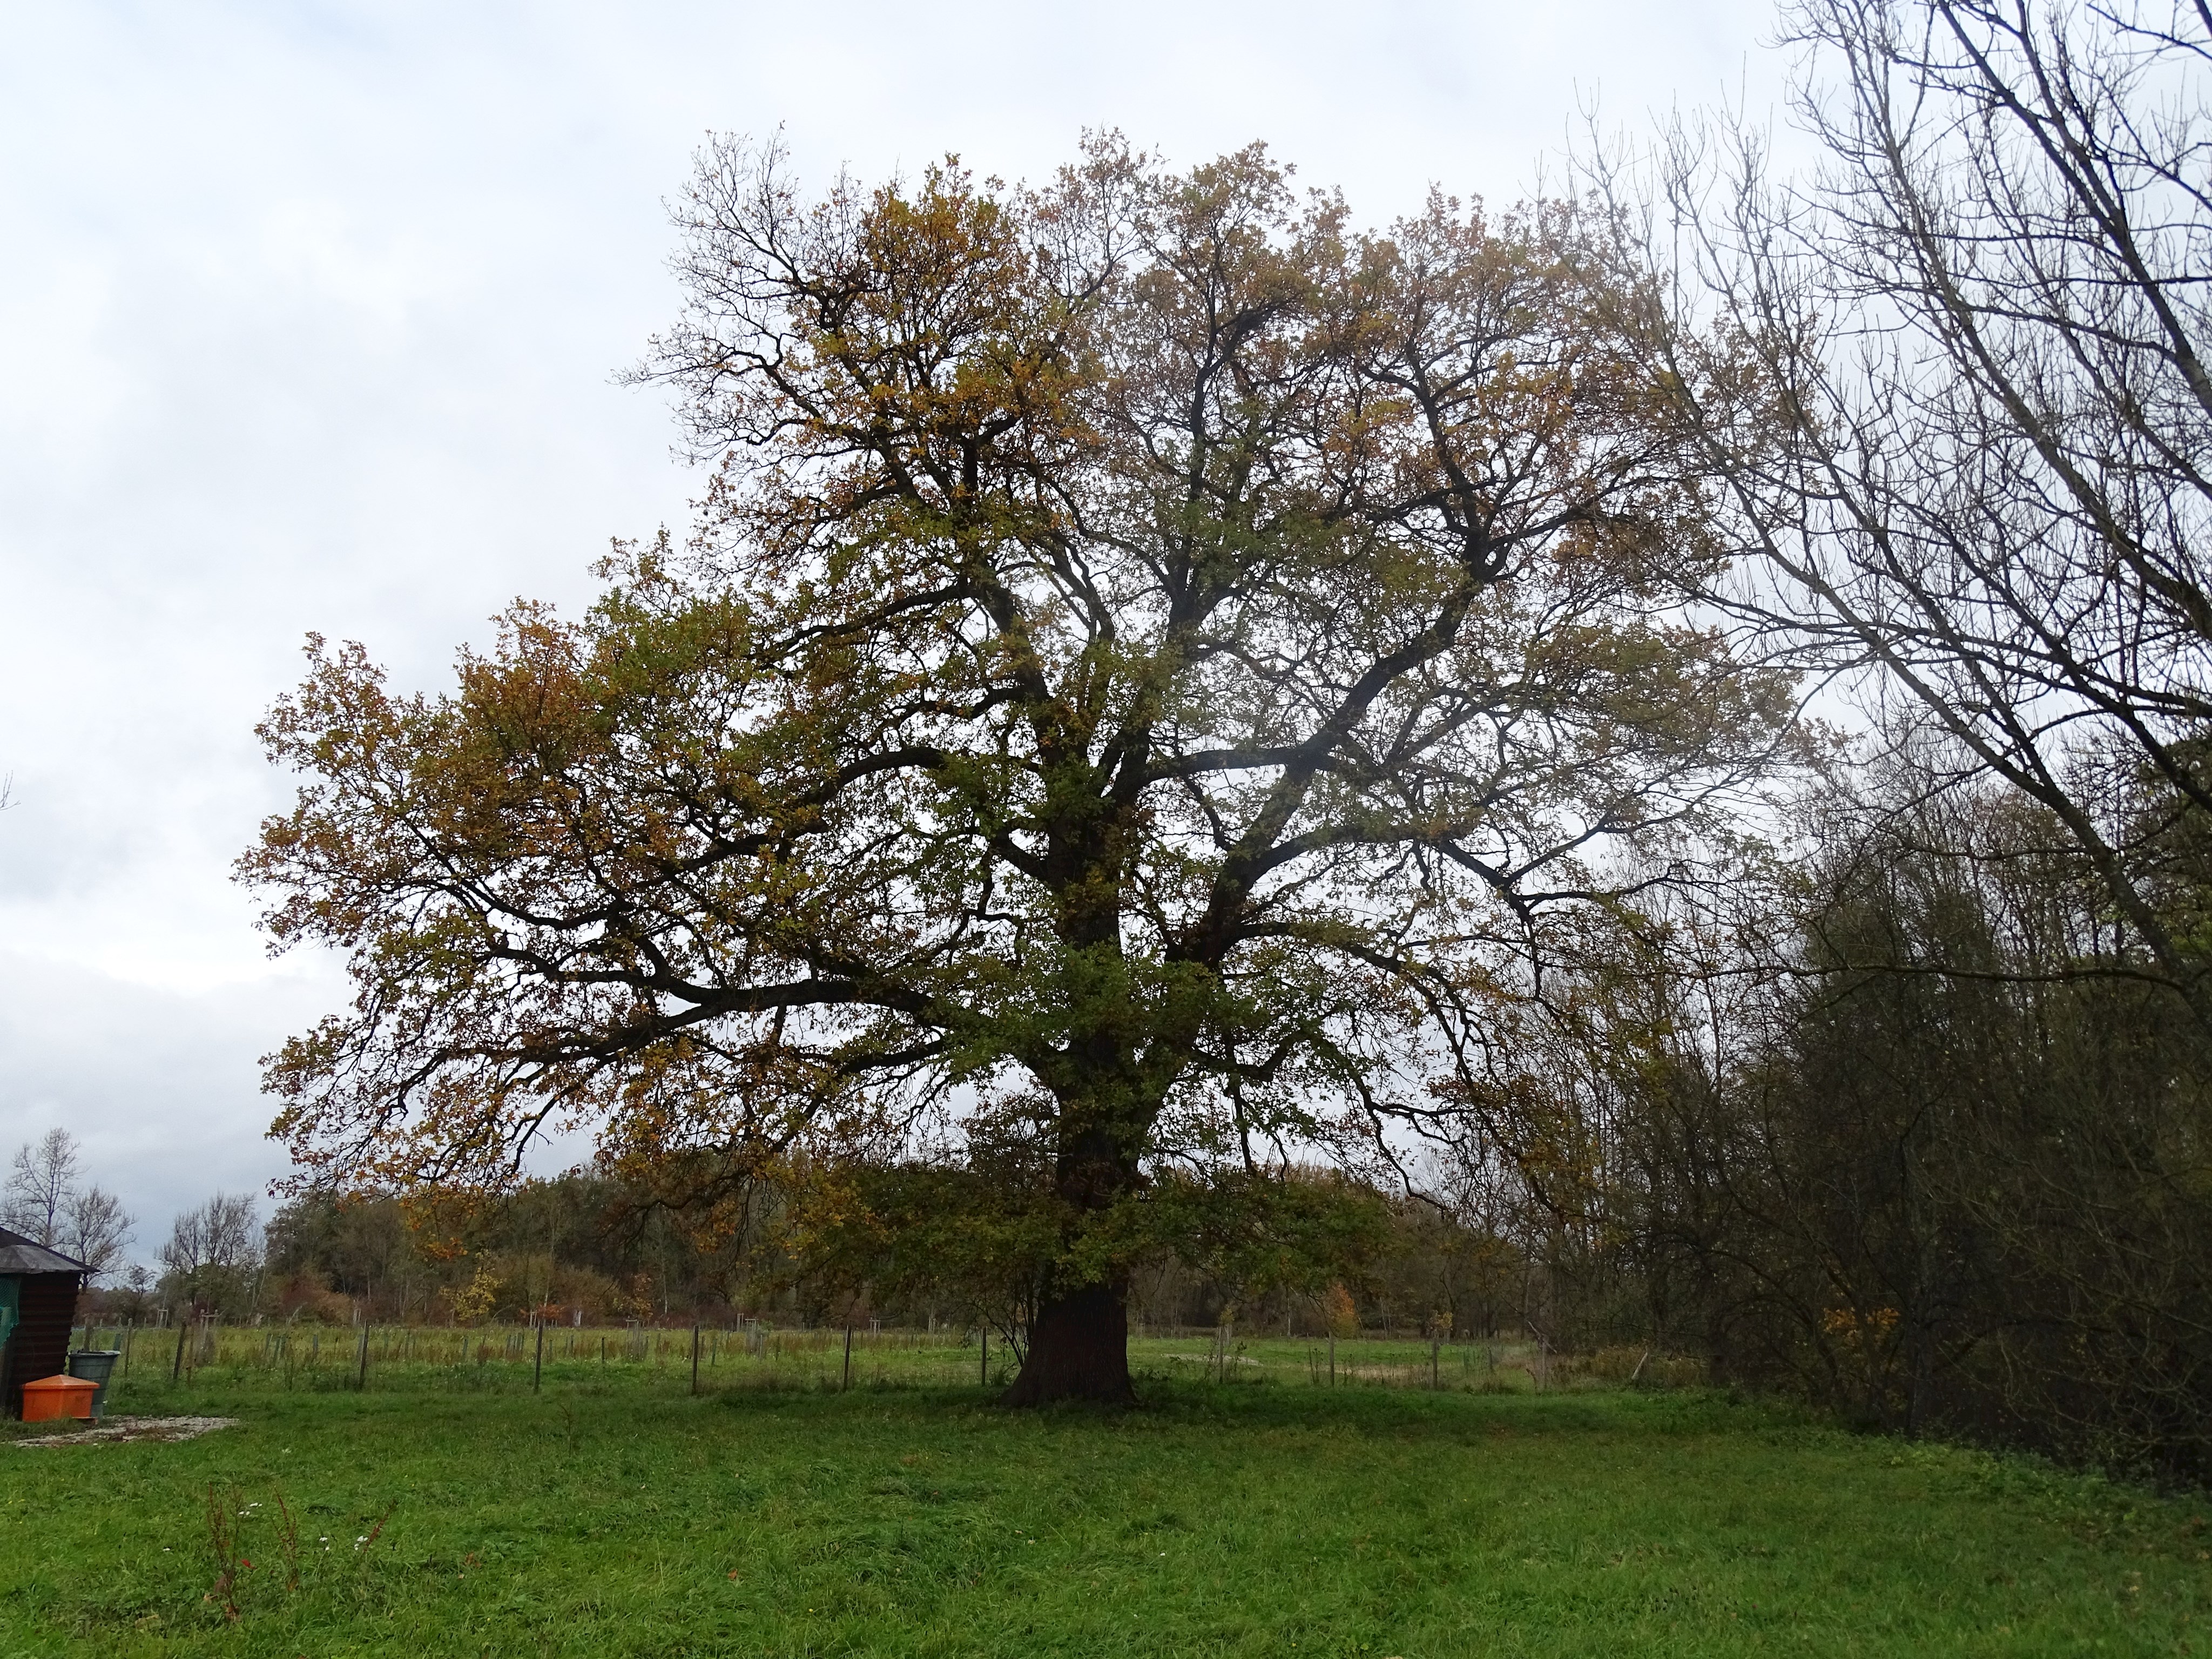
1148, 651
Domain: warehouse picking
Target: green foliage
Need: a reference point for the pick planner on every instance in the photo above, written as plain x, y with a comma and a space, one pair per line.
973, 1241
1255, 1232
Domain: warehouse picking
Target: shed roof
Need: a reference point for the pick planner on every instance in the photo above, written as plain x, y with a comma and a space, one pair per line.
18, 1255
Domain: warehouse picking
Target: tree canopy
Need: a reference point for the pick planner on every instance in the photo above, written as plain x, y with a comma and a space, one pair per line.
1151, 654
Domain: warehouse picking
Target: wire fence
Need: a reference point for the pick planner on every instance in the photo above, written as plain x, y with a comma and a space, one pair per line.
712, 1358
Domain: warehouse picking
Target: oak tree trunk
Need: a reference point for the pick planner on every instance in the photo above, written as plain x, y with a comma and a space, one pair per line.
1079, 1349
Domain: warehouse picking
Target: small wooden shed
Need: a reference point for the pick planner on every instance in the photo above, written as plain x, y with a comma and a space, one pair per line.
38, 1307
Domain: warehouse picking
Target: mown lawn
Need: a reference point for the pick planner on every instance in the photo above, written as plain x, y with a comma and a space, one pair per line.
615, 1515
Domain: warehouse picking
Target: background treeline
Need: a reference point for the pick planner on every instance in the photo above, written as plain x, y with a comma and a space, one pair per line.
590, 1246
1910, 1123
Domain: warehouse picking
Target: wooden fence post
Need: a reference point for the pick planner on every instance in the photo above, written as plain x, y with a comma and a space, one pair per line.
360, 1377
537, 1359
177, 1365
848, 1380
695, 1358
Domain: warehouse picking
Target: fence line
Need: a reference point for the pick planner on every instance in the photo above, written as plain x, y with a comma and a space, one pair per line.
753, 1353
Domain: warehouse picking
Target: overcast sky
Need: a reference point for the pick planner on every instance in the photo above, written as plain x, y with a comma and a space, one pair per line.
309, 316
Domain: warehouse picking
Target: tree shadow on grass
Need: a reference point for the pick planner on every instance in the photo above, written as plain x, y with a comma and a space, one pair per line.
1165, 1401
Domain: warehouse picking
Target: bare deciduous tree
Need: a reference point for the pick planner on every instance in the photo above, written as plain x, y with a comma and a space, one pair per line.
40, 1185
44, 1200
96, 1229
220, 1233
1984, 328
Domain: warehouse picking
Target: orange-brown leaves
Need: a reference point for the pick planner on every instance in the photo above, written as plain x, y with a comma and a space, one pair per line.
1149, 649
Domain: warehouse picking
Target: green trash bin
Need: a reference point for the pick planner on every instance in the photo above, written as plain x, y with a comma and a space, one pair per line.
96, 1365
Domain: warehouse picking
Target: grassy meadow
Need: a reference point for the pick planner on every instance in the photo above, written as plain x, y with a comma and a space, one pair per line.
1426, 1505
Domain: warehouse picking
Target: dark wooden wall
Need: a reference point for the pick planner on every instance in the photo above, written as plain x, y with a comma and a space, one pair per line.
40, 1346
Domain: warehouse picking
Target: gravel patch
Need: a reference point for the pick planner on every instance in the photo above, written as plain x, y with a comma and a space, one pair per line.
136, 1428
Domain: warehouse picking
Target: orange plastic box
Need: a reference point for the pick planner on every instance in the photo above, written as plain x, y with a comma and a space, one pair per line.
53, 1397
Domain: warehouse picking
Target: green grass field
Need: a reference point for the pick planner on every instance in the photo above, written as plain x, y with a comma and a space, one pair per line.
449, 1510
